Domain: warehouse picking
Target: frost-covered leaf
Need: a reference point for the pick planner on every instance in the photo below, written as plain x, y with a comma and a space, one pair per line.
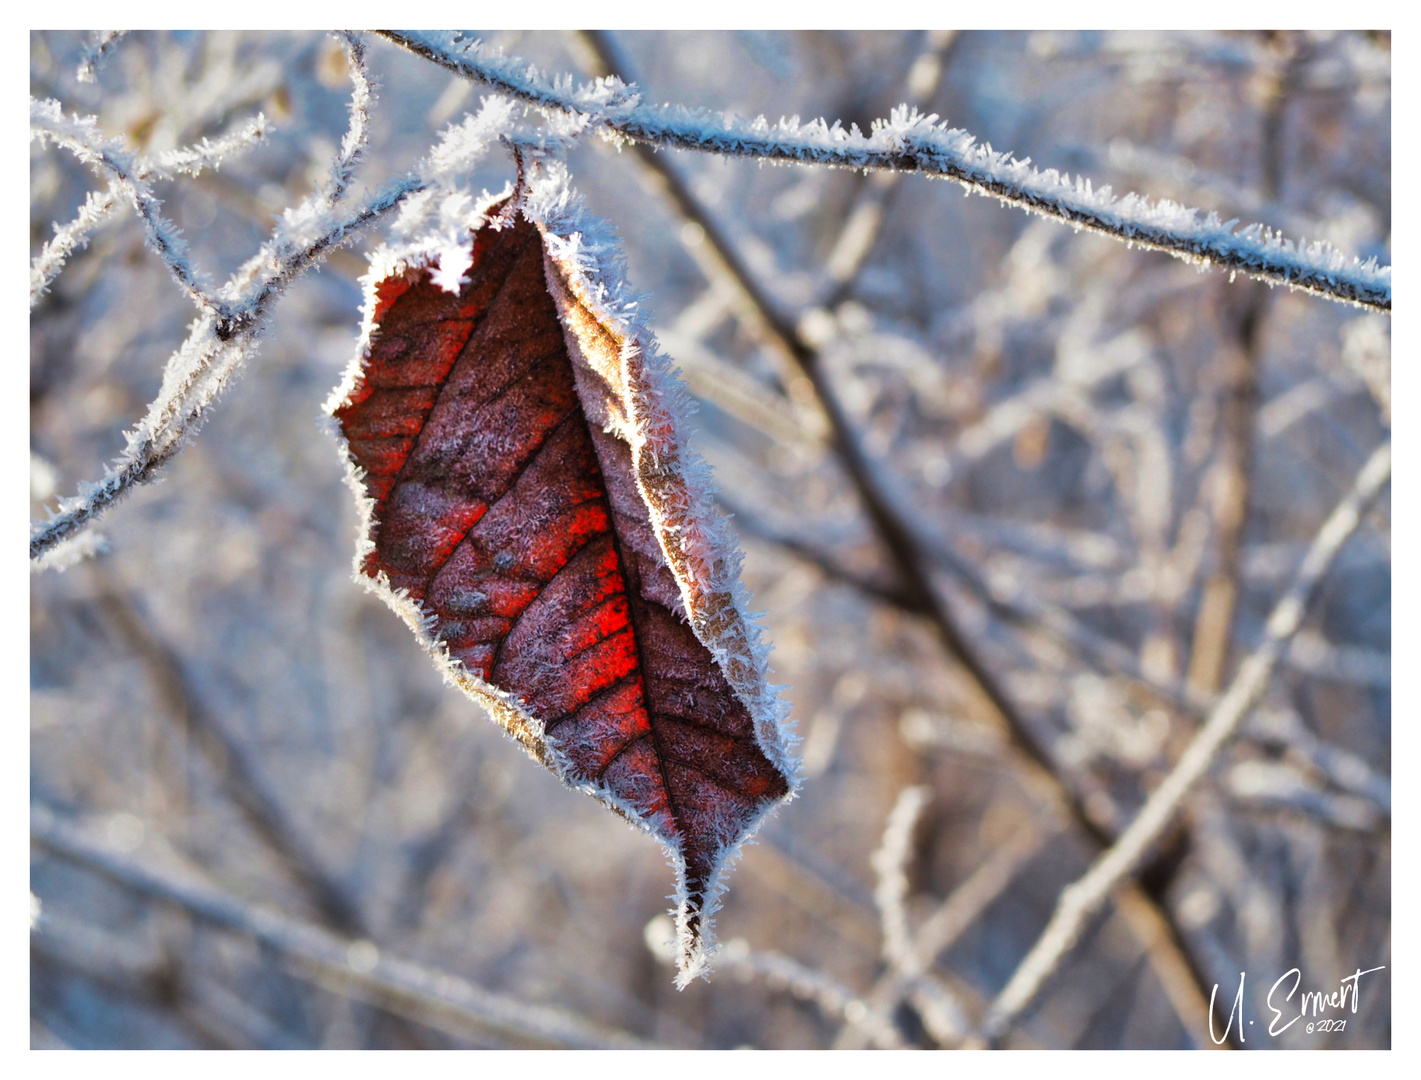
532, 512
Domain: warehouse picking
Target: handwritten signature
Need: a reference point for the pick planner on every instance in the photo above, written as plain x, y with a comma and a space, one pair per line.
1312, 1007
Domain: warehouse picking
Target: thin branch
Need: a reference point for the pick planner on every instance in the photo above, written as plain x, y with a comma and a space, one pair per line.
436, 999
204, 364
751, 523
1081, 900
939, 1009
835, 1000
71, 552
209, 153
67, 239
101, 43
951, 919
125, 174
911, 142
357, 135
781, 972
223, 339
890, 863
187, 160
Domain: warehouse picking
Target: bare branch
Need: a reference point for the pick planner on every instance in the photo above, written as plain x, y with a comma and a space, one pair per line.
1081, 900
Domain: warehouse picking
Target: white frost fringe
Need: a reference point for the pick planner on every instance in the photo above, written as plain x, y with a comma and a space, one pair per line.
910, 141
697, 545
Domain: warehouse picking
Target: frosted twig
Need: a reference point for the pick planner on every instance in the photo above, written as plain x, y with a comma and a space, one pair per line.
940, 930
911, 142
81, 136
197, 373
835, 1000
1079, 901
890, 863
226, 335
358, 968
70, 553
95, 52
67, 239
188, 160
209, 153
938, 1008
780, 972
357, 135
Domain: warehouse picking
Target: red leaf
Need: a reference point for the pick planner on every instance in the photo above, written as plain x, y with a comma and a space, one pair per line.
531, 514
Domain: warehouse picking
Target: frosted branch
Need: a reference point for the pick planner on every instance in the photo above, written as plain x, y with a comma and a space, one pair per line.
209, 153
225, 336
70, 553
835, 1000
1078, 902
67, 239
784, 973
890, 863
357, 135
95, 52
187, 160
912, 142
81, 136
199, 371
861, 225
